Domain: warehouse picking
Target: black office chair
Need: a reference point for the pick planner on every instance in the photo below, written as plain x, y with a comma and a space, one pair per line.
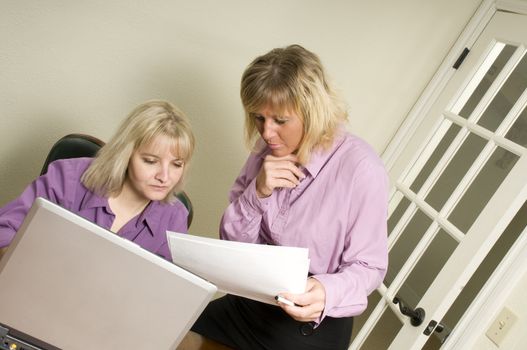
81, 145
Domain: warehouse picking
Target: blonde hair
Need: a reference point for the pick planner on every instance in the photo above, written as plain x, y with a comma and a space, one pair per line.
293, 79
108, 171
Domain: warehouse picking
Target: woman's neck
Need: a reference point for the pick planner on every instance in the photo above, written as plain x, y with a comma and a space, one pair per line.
126, 205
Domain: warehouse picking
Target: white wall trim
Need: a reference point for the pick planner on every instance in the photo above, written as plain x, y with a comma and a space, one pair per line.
441, 78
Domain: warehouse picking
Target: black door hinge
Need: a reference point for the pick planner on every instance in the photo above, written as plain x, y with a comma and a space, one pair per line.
461, 58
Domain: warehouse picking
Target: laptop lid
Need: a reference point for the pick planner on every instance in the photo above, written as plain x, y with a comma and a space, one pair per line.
72, 284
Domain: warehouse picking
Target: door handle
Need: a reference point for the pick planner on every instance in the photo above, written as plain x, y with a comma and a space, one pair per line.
417, 316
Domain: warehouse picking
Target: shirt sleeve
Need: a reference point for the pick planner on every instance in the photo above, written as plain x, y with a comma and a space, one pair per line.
50, 186
242, 219
365, 257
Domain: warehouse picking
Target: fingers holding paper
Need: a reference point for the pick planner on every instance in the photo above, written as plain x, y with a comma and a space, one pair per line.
307, 306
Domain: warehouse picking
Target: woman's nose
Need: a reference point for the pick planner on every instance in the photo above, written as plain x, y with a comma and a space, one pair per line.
268, 130
162, 174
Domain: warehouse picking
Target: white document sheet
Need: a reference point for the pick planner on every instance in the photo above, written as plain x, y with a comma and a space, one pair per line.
254, 271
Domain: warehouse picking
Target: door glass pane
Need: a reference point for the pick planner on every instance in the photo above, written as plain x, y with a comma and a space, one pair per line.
406, 243
428, 267
484, 271
397, 214
454, 172
518, 131
487, 80
435, 157
384, 332
482, 188
358, 321
506, 97
433, 342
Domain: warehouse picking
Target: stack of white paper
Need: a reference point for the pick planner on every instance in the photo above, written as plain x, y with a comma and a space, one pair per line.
254, 271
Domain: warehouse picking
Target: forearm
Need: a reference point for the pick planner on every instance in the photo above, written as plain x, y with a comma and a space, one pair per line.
13, 213
364, 261
347, 291
11, 218
6, 236
242, 218
362, 268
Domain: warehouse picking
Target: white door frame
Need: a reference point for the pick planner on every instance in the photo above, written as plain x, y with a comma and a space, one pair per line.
508, 270
466, 40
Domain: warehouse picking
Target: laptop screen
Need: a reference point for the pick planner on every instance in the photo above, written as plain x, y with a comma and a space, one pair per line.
74, 285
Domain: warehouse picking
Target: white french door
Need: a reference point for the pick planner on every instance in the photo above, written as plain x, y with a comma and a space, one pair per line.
459, 190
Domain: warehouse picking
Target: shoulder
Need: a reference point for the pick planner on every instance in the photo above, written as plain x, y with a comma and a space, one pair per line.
70, 165
162, 216
355, 150
66, 171
173, 210
357, 157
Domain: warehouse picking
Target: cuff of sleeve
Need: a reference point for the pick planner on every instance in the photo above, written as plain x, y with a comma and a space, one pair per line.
325, 280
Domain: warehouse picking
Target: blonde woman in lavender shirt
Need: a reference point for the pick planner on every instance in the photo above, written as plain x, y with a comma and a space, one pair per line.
129, 187
307, 183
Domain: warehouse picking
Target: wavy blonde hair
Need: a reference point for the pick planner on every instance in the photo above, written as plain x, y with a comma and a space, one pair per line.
108, 171
293, 79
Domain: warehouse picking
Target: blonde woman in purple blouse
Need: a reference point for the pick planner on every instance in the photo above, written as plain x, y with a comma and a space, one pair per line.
307, 183
129, 188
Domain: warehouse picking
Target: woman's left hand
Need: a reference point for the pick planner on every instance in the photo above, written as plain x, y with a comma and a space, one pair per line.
309, 304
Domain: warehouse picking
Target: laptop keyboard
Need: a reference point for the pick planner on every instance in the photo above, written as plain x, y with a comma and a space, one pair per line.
7, 342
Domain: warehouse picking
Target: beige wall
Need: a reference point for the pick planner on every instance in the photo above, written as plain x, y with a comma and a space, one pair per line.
71, 66
516, 337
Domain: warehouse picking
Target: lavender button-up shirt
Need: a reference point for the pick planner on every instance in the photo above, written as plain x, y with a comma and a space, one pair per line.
61, 185
338, 211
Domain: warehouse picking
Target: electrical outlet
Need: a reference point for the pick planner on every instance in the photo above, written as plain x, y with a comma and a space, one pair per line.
501, 326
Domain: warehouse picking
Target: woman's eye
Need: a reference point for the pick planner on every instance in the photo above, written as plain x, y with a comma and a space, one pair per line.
280, 121
258, 118
149, 161
178, 164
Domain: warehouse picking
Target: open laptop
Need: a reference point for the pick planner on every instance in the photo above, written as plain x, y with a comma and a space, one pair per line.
67, 283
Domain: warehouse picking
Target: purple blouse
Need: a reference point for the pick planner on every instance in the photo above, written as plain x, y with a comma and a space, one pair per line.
338, 211
62, 185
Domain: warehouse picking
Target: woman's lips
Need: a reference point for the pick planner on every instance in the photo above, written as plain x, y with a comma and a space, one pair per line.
274, 145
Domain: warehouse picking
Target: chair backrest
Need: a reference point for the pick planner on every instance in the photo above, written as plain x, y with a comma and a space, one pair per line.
72, 146
82, 145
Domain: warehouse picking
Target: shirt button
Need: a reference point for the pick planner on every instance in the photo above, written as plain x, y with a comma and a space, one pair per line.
307, 328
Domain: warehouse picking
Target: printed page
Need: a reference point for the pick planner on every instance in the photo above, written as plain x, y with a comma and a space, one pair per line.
254, 271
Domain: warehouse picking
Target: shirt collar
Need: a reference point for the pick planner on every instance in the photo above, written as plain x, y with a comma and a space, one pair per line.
150, 215
320, 156
92, 200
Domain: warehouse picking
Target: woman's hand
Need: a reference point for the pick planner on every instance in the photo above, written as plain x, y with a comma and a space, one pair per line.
277, 172
309, 304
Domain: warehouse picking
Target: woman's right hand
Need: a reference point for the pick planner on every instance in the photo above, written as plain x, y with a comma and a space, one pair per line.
277, 172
